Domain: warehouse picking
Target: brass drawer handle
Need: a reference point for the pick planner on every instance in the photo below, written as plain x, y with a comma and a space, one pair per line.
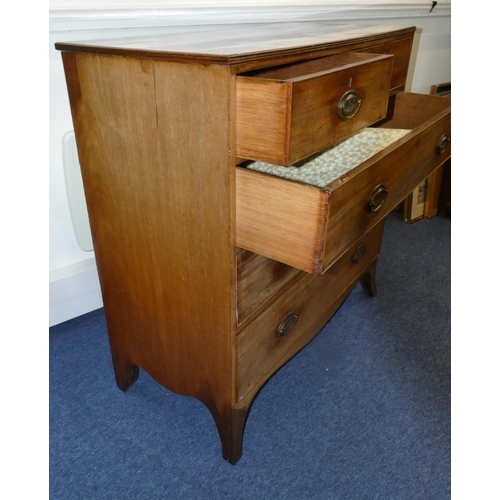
442, 144
377, 198
287, 324
358, 255
349, 105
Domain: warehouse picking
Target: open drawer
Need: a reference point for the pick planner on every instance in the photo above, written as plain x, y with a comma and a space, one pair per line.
285, 114
309, 227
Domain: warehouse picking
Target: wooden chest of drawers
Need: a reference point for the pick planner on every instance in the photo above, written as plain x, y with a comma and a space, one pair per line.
214, 274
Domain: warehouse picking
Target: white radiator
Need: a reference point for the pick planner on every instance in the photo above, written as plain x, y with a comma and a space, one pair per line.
75, 193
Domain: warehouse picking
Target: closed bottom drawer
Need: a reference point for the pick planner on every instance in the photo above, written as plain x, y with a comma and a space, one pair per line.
291, 321
307, 226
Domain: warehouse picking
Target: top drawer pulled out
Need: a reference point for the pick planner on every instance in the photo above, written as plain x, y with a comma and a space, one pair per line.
285, 114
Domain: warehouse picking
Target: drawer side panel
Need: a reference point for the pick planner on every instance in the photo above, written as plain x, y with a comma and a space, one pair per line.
263, 119
282, 220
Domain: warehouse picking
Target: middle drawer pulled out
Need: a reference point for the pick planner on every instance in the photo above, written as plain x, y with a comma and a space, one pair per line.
309, 227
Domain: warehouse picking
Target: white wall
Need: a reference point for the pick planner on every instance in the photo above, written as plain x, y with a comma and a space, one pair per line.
74, 287
77, 4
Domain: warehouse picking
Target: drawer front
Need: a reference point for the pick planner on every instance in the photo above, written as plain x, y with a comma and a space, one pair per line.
401, 50
286, 114
308, 227
292, 321
259, 280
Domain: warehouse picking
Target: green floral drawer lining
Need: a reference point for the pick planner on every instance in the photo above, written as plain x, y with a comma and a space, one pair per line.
337, 161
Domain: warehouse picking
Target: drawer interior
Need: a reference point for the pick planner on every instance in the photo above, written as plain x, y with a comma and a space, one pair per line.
324, 168
413, 111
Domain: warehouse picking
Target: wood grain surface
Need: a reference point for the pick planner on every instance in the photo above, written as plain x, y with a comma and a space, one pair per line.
155, 159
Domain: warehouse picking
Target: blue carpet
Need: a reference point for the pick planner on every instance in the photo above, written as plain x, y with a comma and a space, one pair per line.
363, 412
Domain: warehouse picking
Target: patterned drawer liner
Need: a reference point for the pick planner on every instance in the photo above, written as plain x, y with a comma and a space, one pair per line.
332, 164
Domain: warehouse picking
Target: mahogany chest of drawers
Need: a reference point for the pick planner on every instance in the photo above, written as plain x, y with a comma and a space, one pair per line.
214, 272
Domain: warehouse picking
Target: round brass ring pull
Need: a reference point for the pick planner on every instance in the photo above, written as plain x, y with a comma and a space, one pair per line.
287, 324
349, 105
377, 198
442, 144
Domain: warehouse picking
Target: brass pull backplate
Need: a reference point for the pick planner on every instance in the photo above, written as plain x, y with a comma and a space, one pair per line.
349, 105
358, 255
377, 198
287, 324
442, 144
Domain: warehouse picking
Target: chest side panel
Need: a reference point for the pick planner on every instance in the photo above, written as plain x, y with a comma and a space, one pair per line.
153, 140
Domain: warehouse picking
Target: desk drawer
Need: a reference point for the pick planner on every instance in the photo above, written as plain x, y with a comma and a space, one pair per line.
309, 227
291, 321
285, 114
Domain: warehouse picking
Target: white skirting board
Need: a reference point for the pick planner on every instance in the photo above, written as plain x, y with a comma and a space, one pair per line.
74, 290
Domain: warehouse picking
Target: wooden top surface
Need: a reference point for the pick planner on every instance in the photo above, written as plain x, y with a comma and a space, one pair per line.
236, 44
